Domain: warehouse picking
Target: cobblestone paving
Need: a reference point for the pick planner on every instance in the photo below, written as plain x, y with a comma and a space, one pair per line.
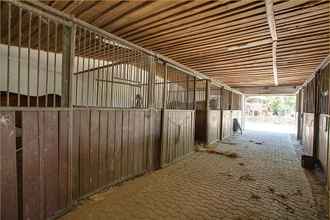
265, 181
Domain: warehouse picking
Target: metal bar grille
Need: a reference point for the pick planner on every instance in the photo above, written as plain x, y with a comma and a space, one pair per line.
180, 89
110, 74
107, 72
31, 49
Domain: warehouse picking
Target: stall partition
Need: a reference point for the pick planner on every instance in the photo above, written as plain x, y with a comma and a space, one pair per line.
208, 113
178, 117
81, 110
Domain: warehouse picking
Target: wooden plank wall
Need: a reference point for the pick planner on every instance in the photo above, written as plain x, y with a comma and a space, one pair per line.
227, 125
177, 135
112, 146
108, 146
8, 177
309, 97
308, 133
323, 141
45, 163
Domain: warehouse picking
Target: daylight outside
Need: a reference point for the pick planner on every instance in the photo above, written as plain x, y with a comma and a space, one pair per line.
270, 113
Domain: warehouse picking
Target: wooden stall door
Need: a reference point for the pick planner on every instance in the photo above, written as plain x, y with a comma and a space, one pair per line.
8, 176
177, 135
214, 126
226, 124
308, 133
323, 142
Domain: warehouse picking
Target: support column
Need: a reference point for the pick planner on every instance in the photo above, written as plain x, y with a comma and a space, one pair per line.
207, 108
69, 33
163, 116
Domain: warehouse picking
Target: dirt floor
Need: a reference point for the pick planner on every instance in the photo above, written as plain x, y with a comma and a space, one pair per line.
255, 176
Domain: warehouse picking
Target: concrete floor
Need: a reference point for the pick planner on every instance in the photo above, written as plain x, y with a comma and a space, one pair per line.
264, 181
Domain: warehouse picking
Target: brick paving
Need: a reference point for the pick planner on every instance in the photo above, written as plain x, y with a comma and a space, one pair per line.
265, 181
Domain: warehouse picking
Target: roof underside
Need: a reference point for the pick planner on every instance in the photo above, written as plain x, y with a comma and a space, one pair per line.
226, 40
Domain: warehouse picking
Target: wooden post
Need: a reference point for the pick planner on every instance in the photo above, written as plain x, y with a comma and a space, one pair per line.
165, 87
67, 64
151, 82
163, 117
194, 104
316, 116
207, 97
69, 34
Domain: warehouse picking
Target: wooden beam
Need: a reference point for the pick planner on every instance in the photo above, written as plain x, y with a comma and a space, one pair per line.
272, 29
249, 45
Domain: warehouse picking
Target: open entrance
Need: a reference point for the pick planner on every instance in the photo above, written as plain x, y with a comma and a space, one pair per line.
271, 113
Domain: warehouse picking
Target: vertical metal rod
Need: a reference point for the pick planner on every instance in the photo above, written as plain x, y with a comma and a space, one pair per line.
19, 55
83, 68
93, 73
127, 88
177, 89
131, 78
114, 56
0, 39
145, 95
88, 65
107, 55
187, 92
165, 87
150, 81
207, 96
38, 61
47, 63
77, 57
194, 101
98, 72
103, 71
8, 50
55, 51
29, 59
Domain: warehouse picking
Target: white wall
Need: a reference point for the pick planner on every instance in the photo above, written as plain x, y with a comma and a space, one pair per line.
14, 74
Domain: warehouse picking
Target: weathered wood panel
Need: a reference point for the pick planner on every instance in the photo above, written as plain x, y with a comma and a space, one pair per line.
323, 142
108, 146
63, 153
208, 131
178, 135
113, 145
227, 125
45, 163
308, 133
309, 96
8, 177
155, 135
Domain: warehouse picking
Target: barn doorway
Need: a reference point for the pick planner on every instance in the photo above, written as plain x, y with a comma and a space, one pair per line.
271, 113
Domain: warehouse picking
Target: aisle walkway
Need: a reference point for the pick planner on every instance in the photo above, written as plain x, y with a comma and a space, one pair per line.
262, 180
